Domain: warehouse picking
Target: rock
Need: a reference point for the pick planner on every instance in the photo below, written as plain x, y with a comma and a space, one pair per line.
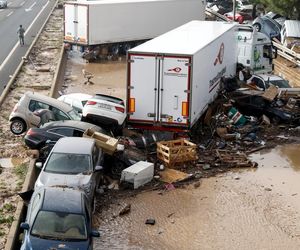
236, 177
268, 189
150, 222
160, 231
197, 184
125, 210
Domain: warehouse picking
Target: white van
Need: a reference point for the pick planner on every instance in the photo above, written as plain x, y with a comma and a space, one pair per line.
290, 34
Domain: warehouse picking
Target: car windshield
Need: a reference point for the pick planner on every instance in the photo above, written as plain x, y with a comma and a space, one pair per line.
63, 163
74, 115
280, 83
59, 225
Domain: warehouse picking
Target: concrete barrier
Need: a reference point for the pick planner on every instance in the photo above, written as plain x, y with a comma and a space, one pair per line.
12, 241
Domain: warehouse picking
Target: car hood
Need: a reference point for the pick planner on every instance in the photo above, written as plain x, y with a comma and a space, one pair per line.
50, 179
43, 244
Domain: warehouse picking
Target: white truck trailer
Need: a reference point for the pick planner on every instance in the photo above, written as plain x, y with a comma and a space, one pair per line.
171, 79
106, 26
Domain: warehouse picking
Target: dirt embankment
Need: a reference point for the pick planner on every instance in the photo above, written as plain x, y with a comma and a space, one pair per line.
43, 57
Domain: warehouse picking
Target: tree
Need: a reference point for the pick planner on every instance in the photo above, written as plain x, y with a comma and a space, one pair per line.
287, 8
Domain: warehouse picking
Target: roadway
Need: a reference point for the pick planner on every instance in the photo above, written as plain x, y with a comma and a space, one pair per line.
31, 14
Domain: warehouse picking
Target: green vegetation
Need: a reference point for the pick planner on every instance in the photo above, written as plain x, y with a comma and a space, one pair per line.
8, 207
6, 219
288, 8
21, 171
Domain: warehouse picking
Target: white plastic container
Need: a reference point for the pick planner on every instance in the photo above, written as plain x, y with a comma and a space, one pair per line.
138, 174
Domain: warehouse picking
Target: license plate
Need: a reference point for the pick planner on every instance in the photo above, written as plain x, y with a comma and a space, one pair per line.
104, 106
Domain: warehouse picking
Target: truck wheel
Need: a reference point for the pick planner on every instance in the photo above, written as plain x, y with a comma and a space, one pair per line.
257, 27
17, 126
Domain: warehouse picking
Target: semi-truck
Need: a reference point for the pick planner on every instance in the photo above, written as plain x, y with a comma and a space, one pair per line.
172, 78
109, 26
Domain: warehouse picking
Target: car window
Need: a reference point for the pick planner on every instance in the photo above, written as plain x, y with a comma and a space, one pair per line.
74, 115
58, 114
258, 82
62, 131
61, 163
34, 105
59, 225
77, 133
34, 206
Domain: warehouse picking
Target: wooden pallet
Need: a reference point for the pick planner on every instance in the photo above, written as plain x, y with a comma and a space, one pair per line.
107, 143
233, 159
176, 151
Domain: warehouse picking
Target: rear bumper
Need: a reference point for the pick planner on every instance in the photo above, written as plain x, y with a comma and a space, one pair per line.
102, 120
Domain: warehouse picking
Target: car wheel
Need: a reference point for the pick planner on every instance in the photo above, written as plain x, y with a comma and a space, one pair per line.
17, 126
257, 27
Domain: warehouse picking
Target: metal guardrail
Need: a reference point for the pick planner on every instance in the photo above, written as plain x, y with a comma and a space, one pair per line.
287, 53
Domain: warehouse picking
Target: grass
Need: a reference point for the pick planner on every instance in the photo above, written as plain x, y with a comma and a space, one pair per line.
6, 219
8, 207
21, 171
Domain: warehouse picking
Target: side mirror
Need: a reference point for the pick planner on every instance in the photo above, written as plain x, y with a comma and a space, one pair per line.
24, 226
95, 233
98, 168
39, 165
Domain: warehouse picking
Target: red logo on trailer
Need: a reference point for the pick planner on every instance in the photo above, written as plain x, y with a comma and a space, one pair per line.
177, 69
220, 55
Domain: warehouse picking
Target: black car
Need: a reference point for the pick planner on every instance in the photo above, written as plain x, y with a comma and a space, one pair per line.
256, 105
58, 218
36, 138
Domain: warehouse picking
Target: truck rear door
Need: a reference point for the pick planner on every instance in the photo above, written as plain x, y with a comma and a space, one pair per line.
158, 89
76, 23
174, 90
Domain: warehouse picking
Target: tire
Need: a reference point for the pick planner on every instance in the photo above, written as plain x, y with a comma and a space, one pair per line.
257, 26
17, 126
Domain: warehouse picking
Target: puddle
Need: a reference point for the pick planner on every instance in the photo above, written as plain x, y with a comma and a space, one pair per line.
10, 162
257, 210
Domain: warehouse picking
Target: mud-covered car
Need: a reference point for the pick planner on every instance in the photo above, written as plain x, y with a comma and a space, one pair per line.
58, 217
256, 105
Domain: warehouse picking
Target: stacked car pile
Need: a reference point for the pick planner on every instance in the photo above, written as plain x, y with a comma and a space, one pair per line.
60, 209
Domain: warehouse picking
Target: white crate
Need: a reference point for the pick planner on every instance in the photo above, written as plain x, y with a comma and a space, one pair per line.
138, 174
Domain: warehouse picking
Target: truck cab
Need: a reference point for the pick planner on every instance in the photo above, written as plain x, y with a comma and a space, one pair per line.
255, 50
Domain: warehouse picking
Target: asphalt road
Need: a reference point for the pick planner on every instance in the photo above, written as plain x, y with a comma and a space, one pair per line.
31, 14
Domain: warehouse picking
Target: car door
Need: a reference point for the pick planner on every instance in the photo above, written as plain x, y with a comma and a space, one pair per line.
58, 114
56, 133
34, 105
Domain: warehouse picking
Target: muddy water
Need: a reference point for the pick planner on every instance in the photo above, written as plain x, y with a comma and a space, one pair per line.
109, 77
246, 209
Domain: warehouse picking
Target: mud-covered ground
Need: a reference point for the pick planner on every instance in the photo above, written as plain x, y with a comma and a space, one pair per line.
255, 208
14, 156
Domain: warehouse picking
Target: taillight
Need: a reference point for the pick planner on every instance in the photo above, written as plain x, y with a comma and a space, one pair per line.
120, 109
91, 103
132, 105
185, 109
30, 132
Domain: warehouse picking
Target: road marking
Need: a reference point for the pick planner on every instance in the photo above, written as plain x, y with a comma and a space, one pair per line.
9, 4
9, 14
30, 8
21, 4
17, 44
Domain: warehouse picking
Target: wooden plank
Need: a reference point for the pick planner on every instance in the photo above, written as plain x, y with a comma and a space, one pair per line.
270, 93
171, 175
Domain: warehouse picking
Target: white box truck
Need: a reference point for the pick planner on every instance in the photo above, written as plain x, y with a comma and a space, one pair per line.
106, 26
171, 79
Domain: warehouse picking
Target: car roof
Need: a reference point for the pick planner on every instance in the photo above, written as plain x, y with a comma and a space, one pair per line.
71, 123
66, 200
49, 100
269, 76
77, 96
74, 145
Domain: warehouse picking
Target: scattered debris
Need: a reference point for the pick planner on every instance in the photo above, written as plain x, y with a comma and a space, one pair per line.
171, 175
138, 174
176, 151
150, 222
125, 210
268, 189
